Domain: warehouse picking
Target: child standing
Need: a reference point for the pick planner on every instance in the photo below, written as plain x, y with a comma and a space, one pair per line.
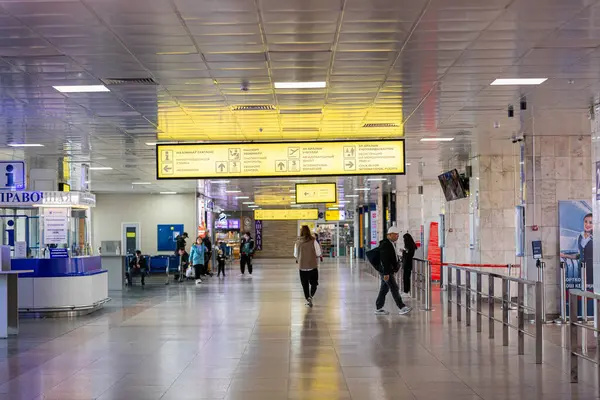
197, 258
221, 262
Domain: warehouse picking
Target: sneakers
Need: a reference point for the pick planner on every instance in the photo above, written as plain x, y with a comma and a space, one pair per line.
309, 302
198, 281
382, 312
405, 310
406, 295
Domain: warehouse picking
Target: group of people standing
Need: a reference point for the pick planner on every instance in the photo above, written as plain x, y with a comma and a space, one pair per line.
307, 253
198, 260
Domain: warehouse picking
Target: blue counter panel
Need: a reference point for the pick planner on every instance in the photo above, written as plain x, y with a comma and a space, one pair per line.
56, 267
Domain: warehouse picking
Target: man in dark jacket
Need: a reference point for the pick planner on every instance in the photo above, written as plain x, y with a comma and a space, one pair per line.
389, 266
137, 267
207, 254
180, 242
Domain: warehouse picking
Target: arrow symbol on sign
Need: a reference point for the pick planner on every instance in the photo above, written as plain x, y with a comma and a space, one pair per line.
281, 165
166, 168
350, 164
221, 167
306, 193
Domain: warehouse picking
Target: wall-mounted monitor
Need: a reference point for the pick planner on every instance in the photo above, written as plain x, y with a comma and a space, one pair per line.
453, 185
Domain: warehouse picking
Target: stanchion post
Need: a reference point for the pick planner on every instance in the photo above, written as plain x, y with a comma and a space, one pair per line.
449, 289
458, 295
573, 340
479, 290
563, 292
428, 305
541, 267
505, 305
539, 336
584, 310
468, 297
491, 303
520, 318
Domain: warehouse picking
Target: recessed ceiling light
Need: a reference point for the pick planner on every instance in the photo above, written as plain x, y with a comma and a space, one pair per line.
82, 89
518, 81
100, 168
220, 181
25, 145
140, 183
242, 197
168, 192
233, 191
300, 85
438, 139
361, 190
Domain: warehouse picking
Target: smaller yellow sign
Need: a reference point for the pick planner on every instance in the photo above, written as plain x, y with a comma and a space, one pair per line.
308, 193
273, 199
332, 215
265, 215
130, 234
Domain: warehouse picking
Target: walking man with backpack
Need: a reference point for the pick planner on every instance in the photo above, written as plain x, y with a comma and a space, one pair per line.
389, 266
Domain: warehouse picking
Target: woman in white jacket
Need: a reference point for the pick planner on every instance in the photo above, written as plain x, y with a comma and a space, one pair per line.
307, 252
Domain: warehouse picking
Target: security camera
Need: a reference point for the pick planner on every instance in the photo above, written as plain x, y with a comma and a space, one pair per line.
245, 86
517, 139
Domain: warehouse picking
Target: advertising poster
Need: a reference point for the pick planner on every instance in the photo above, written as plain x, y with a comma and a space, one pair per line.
576, 229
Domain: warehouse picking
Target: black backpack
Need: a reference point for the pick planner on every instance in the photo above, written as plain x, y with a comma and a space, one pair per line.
374, 258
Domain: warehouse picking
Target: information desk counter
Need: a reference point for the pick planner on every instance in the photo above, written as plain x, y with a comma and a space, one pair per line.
61, 286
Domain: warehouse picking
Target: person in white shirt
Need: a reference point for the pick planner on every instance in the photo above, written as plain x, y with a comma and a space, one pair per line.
307, 252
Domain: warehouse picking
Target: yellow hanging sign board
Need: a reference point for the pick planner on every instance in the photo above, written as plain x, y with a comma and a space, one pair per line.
332, 215
309, 193
273, 199
307, 214
251, 160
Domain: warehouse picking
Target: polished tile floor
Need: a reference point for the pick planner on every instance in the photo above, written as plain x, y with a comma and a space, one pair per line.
253, 338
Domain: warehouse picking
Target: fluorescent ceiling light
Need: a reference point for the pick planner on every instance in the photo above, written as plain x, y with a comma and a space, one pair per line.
100, 168
233, 191
438, 139
518, 81
140, 183
352, 195
333, 208
25, 145
253, 206
361, 190
82, 89
296, 205
300, 85
292, 191
377, 179
168, 192
242, 197
248, 202
220, 181
299, 180
150, 143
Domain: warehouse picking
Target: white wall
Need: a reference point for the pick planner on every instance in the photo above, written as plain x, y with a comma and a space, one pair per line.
112, 210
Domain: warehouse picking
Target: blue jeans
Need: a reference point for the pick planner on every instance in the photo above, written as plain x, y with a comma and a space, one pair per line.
390, 286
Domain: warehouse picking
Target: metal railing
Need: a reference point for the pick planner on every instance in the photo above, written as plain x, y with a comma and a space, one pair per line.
576, 349
506, 300
421, 282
